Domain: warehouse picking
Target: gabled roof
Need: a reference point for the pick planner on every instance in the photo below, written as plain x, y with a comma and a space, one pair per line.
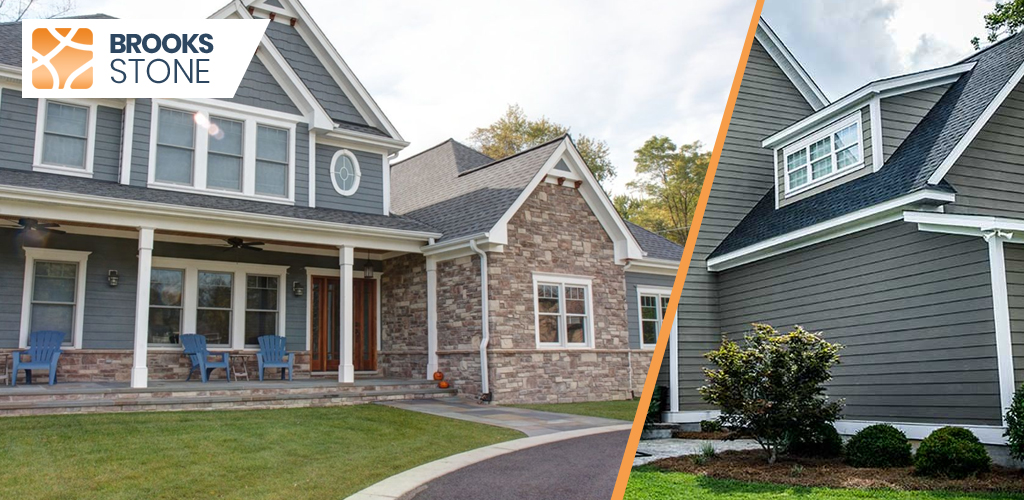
654, 245
789, 65
462, 192
910, 166
10, 39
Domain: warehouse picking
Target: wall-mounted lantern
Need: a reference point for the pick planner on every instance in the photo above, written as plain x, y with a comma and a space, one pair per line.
297, 288
112, 277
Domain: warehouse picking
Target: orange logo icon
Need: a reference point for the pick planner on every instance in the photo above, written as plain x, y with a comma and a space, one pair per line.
62, 58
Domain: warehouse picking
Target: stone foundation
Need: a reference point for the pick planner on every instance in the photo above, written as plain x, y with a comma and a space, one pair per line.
89, 365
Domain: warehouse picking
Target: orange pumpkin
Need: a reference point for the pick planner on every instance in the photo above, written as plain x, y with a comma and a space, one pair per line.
438, 375
443, 385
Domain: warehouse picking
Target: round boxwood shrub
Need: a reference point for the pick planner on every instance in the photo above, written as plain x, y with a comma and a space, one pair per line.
878, 446
821, 440
951, 452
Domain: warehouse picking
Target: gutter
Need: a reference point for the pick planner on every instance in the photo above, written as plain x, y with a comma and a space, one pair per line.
485, 334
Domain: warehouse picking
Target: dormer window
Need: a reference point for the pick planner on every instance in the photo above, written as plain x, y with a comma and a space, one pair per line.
827, 154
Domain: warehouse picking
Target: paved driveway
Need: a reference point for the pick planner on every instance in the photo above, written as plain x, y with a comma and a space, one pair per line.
583, 468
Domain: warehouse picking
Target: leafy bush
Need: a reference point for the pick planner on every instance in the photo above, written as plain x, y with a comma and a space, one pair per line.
822, 441
878, 446
1015, 425
951, 452
711, 426
656, 406
787, 374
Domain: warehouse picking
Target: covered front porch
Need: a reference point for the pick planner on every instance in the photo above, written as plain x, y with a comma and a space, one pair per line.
125, 295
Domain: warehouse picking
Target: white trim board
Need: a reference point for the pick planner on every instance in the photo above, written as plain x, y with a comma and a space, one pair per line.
33, 254
975, 129
988, 434
792, 68
859, 220
689, 417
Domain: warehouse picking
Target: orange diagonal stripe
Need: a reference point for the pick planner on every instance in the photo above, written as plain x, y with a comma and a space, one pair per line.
684, 264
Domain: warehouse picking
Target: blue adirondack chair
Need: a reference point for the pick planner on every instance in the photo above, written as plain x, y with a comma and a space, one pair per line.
272, 355
43, 353
195, 348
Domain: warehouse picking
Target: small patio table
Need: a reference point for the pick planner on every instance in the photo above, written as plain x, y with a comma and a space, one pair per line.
239, 359
5, 361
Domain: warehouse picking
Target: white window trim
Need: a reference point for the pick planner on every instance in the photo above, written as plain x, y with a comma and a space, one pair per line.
90, 139
659, 292
853, 118
563, 280
190, 299
355, 163
46, 254
251, 121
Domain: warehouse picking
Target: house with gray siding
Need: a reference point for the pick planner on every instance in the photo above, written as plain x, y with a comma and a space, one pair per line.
128, 223
889, 219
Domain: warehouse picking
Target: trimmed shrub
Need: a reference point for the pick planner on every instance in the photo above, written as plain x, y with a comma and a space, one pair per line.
711, 426
951, 452
1015, 425
822, 441
878, 446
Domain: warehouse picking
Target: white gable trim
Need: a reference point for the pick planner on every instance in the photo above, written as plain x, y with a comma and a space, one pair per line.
975, 129
790, 66
853, 222
882, 88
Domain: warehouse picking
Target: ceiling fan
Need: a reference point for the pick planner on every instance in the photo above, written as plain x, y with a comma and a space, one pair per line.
30, 225
239, 243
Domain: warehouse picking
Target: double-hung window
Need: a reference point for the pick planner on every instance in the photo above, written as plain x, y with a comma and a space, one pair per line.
54, 294
225, 152
653, 305
827, 154
166, 305
213, 307
261, 303
563, 311
65, 135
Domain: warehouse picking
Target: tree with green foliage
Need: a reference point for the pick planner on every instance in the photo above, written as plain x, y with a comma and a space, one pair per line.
772, 386
1005, 20
516, 132
668, 184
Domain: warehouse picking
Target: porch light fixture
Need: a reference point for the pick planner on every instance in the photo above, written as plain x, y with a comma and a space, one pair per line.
112, 277
368, 267
297, 288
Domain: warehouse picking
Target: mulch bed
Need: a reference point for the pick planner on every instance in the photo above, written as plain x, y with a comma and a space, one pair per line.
752, 466
708, 436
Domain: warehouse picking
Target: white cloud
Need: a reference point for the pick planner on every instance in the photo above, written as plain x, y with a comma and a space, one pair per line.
617, 71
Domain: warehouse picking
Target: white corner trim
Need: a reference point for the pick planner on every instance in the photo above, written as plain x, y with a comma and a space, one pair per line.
885, 87
32, 254
127, 141
877, 142
689, 417
792, 68
386, 177
975, 129
988, 434
860, 220
1001, 312
355, 165
312, 169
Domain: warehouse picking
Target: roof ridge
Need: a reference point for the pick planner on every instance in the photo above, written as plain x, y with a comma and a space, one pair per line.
495, 162
989, 46
82, 16
431, 148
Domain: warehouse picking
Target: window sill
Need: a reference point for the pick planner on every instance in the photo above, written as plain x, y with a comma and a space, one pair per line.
220, 193
825, 180
569, 347
55, 169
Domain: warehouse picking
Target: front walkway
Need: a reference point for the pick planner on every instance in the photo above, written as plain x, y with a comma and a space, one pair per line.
529, 422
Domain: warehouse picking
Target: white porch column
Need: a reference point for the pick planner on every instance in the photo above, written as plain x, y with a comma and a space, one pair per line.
140, 372
431, 317
673, 366
1001, 310
346, 371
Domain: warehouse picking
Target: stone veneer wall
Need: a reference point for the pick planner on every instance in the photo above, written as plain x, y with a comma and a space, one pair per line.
554, 232
641, 365
403, 297
95, 365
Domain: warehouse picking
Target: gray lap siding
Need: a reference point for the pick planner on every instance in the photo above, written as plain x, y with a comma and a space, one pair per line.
1015, 291
913, 310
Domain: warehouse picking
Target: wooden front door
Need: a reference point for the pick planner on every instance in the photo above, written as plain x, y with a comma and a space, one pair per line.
325, 318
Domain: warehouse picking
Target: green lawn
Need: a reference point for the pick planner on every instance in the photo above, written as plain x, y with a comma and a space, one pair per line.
618, 410
289, 453
647, 483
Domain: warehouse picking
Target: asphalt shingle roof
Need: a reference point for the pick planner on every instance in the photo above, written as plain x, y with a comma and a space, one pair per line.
656, 246
909, 167
77, 185
10, 39
460, 191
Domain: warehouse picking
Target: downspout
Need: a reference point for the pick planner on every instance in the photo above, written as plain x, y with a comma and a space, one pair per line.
485, 336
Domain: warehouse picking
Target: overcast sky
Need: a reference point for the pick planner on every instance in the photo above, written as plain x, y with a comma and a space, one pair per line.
614, 70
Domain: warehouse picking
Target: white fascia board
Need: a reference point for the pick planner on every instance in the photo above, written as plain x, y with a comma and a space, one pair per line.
883, 88
975, 129
968, 225
72, 207
351, 137
883, 213
792, 68
10, 73
653, 266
